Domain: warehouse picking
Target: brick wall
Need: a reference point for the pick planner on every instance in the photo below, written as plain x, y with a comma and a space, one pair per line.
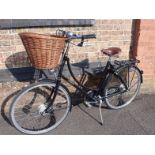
146, 52
109, 33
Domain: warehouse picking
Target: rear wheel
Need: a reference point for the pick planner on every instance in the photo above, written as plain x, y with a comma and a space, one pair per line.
28, 110
115, 91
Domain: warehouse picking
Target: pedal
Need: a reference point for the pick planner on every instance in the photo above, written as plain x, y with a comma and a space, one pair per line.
87, 104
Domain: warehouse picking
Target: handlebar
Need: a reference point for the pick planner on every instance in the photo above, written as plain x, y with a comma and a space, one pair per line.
88, 36
71, 35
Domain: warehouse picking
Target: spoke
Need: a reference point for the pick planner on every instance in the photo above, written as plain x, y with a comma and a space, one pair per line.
113, 97
132, 77
120, 101
24, 121
28, 115
133, 85
122, 97
36, 114
60, 109
17, 111
33, 122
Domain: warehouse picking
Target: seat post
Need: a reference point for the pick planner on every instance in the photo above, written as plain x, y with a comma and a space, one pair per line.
109, 59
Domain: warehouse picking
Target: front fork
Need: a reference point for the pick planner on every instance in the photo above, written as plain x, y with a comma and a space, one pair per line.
51, 98
53, 94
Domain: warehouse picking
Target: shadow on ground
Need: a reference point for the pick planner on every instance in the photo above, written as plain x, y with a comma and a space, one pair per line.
5, 105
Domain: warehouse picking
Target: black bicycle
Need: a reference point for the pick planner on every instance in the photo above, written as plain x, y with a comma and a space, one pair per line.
43, 105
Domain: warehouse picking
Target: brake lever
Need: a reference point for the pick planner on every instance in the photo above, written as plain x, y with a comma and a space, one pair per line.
81, 43
84, 44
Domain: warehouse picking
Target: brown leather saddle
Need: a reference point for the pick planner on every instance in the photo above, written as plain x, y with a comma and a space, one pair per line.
113, 51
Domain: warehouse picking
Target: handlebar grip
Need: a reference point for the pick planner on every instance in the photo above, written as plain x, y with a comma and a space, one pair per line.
89, 36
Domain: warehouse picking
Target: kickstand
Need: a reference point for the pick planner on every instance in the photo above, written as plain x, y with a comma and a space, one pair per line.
100, 110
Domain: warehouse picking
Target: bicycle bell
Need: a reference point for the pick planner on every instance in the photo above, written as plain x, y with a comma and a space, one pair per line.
69, 34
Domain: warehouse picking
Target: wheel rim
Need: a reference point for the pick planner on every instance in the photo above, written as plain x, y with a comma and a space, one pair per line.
123, 98
28, 114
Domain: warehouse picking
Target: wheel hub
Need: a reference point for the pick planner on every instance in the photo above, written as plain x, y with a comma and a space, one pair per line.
41, 109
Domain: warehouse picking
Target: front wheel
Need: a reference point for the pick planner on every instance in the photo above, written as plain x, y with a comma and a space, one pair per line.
28, 110
117, 95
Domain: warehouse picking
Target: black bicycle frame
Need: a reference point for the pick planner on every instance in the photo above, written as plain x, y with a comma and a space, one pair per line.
109, 70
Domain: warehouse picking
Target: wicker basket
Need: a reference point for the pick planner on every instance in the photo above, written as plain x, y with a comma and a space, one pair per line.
44, 51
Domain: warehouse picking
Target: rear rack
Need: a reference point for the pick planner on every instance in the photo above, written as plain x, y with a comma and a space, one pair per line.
126, 62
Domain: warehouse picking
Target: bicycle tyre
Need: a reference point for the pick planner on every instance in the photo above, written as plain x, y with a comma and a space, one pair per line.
50, 121
114, 84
